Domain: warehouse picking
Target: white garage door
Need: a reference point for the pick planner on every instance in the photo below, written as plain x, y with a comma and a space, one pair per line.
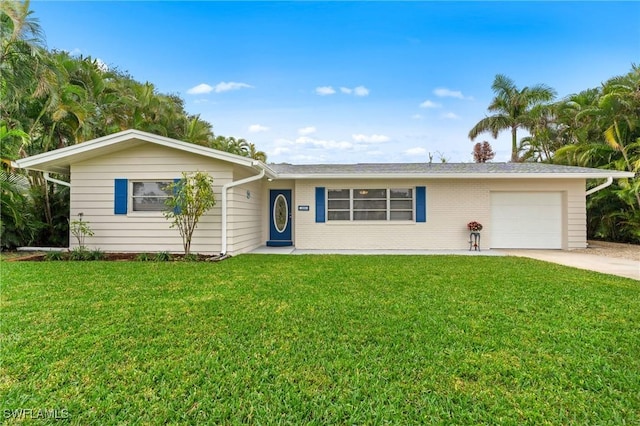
526, 220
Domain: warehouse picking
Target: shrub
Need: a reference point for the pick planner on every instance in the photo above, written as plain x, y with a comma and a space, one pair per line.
143, 257
80, 253
55, 255
96, 255
191, 257
162, 256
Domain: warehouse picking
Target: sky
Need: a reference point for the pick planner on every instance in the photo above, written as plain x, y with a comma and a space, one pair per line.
350, 82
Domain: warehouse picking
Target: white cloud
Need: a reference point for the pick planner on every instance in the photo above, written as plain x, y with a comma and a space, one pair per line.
430, 104
307, 130
325, 90
356, 91
280, 150
324, 144
416, 117
370, 138
224, 86
257, 128
450, 116
200, 89
443, 92
361, 91
416, 151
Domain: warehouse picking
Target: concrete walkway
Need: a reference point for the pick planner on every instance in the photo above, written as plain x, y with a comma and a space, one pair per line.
607, 265
293, 250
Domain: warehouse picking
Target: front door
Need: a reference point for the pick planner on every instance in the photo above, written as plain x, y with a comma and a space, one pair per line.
280, 218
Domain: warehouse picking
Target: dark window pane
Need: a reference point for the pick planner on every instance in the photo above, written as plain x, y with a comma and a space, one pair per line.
401, 215
368, 215
338, 215
369, 204
401, 193
338, 193
149, 204
338, 204
369, 193
158, 189
401, 204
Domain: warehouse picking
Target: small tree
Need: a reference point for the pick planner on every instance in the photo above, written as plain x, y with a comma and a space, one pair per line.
80, 230
192, 197
482, 152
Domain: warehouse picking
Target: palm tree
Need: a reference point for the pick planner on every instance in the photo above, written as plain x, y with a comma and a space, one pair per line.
255, 154
196, 130
512, 108
25, 70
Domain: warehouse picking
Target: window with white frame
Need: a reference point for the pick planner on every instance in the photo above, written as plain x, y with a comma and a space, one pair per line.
370, 204
150, 196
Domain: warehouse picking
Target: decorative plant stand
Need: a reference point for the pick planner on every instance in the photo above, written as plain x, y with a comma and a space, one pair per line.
474, 240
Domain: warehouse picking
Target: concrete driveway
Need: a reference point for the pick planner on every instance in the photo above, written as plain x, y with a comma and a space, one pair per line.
607, 265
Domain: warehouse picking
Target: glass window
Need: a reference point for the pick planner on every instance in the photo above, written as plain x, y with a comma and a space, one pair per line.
401, 203
339, 204
370, 204
150, 196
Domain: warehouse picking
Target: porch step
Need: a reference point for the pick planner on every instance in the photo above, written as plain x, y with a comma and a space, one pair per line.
279, 243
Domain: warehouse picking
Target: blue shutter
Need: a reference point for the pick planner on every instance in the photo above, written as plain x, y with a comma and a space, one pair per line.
120, 190
176, 181
320, 204
421, 204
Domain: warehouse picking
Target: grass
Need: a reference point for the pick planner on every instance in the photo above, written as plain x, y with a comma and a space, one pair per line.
321, 340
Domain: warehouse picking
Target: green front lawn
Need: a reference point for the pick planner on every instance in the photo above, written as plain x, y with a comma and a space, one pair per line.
320, 339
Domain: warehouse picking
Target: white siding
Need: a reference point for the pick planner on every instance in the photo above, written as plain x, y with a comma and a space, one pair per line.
92, 193
246, 210
451, 204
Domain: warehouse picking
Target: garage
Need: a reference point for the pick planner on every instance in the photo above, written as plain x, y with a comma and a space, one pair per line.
527, 220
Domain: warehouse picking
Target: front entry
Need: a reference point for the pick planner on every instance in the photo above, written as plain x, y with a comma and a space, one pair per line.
280, 218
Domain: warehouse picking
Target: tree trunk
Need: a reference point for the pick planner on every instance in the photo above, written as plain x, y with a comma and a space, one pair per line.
514, 145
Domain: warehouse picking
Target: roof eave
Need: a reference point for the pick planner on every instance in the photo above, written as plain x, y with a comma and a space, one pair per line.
613, 174
39, 162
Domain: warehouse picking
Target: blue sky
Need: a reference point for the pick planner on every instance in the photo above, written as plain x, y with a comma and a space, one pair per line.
343, 82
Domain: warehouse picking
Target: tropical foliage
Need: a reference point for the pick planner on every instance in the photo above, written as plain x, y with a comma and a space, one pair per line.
512, 108
598, 127
52, 99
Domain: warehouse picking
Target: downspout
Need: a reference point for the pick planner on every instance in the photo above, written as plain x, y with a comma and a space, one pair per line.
59, 182
225, 188
599, 187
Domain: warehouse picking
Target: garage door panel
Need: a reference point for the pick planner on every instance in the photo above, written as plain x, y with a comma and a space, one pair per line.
526, 220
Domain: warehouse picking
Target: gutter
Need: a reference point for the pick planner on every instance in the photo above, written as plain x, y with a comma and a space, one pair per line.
599, 187
387, 176
59, 182
225, 188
